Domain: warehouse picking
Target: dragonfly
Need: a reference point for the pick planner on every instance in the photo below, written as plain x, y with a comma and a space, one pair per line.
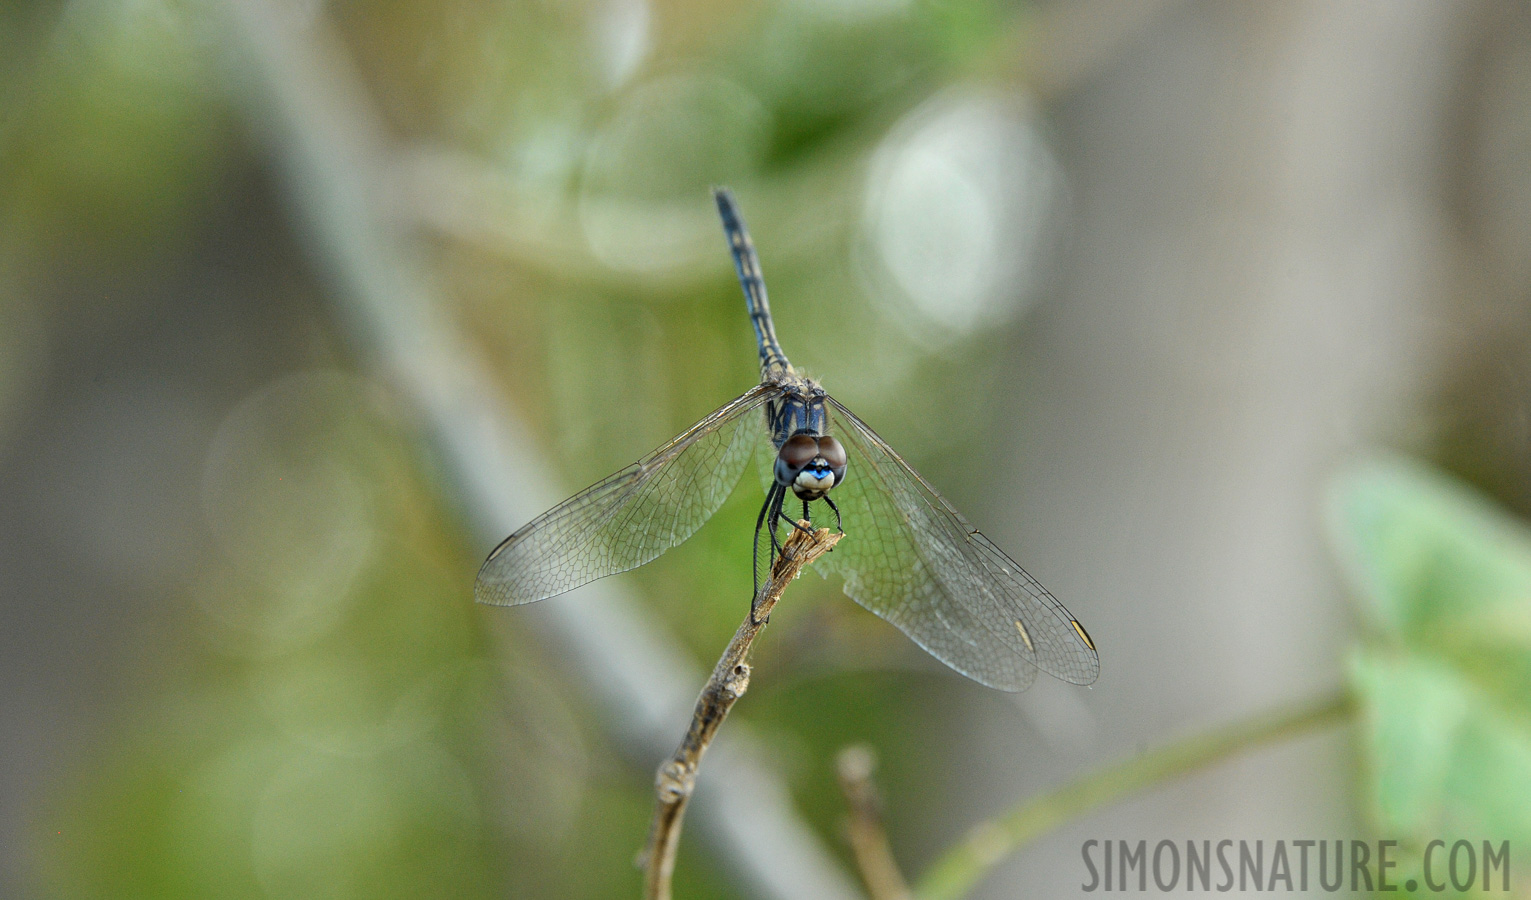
907, 556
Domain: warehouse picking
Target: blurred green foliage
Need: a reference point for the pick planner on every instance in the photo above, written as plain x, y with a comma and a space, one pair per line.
321, 736
1445, 681
113, 131
339, 725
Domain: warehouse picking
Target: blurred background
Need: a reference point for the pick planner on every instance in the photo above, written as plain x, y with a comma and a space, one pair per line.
1127, 281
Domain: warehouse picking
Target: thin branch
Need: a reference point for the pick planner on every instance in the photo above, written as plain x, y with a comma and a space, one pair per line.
956, 872
676, 779
868, 838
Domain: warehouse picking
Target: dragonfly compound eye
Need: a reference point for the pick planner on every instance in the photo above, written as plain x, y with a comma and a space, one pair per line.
834, 454
799, 451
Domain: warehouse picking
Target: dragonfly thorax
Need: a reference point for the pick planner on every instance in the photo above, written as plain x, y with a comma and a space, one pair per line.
810, 464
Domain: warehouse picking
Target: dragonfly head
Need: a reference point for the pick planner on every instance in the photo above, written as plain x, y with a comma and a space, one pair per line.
810, 465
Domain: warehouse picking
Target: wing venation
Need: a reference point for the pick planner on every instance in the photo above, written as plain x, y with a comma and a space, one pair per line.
915, 561
631, 516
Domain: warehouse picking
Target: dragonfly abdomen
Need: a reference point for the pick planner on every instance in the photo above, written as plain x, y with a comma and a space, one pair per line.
747, 264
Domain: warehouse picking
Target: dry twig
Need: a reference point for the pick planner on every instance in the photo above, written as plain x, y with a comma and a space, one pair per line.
730, 678
868, 838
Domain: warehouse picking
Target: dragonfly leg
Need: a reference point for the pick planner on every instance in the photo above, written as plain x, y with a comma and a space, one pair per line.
768, 515
832, 506
793, 522
755, 550
774, 515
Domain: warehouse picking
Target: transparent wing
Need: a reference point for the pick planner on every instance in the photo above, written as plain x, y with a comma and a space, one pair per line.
632, 516
913, 560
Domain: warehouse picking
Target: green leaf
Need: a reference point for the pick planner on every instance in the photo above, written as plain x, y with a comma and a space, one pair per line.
1445, 755
1433, 558
1445, 681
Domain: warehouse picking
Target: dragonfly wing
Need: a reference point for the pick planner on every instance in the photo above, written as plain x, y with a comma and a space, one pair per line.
912, 559
632, 516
